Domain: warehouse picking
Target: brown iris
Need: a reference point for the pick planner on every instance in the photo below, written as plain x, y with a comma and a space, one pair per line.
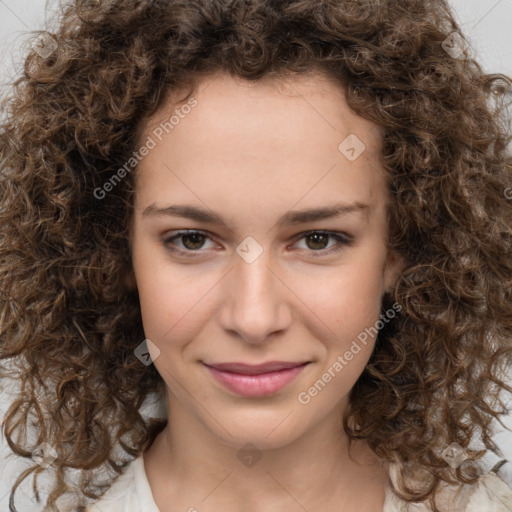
319, 240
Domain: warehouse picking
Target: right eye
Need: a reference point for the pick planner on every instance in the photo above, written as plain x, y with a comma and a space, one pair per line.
191, 241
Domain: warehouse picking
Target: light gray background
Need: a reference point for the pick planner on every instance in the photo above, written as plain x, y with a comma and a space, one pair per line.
485, 25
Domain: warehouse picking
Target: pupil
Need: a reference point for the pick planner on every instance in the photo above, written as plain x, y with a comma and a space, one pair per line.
319, 240
197, 240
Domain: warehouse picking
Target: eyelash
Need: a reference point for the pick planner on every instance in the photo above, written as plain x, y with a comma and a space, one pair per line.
343, 240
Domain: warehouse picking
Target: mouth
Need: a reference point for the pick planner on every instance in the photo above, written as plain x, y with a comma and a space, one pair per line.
256, 380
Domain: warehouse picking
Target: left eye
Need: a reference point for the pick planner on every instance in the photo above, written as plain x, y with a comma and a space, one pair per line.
191, 240
318, 240
315, 241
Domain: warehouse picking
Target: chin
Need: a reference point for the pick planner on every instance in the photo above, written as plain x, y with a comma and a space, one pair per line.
266, 430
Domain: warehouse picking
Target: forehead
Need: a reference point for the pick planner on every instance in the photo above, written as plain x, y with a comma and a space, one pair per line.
313, 98
252, 137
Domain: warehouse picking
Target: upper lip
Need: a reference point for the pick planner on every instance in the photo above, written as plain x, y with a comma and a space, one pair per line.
255, 369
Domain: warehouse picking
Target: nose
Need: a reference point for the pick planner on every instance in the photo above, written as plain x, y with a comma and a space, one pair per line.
256, 301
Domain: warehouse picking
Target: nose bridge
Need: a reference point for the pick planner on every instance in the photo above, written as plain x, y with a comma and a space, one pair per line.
256, 305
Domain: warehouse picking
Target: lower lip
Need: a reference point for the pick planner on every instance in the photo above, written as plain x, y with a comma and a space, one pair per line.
263, 384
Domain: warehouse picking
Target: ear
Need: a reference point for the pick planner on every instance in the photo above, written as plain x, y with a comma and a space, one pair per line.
393, 267
128, 280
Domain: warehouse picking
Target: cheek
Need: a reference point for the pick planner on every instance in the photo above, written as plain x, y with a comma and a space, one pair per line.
346, 300
352, 314
167, 307
162, 299
174, 303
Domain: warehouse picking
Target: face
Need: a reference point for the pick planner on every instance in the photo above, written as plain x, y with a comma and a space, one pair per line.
258, 237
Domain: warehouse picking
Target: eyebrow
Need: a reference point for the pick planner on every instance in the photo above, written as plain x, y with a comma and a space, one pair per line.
289, 218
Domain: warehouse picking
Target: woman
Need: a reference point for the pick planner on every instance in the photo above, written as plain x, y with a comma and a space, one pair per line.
288, 222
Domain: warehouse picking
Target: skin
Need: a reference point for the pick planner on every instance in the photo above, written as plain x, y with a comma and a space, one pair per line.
252, 152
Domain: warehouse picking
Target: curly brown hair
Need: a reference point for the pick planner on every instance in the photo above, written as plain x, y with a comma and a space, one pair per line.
70, 320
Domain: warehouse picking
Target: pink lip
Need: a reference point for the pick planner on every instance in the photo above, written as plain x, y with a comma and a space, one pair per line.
255, 380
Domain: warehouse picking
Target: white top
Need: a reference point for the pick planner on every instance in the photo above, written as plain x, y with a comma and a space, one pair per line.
131, 493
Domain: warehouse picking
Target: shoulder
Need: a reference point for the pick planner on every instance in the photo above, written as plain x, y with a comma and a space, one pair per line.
130, 492
489, 494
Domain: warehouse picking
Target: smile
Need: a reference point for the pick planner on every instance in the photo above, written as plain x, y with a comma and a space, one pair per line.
255, 381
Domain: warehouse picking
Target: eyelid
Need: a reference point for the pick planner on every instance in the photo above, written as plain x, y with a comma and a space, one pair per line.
343, 239
180, 233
